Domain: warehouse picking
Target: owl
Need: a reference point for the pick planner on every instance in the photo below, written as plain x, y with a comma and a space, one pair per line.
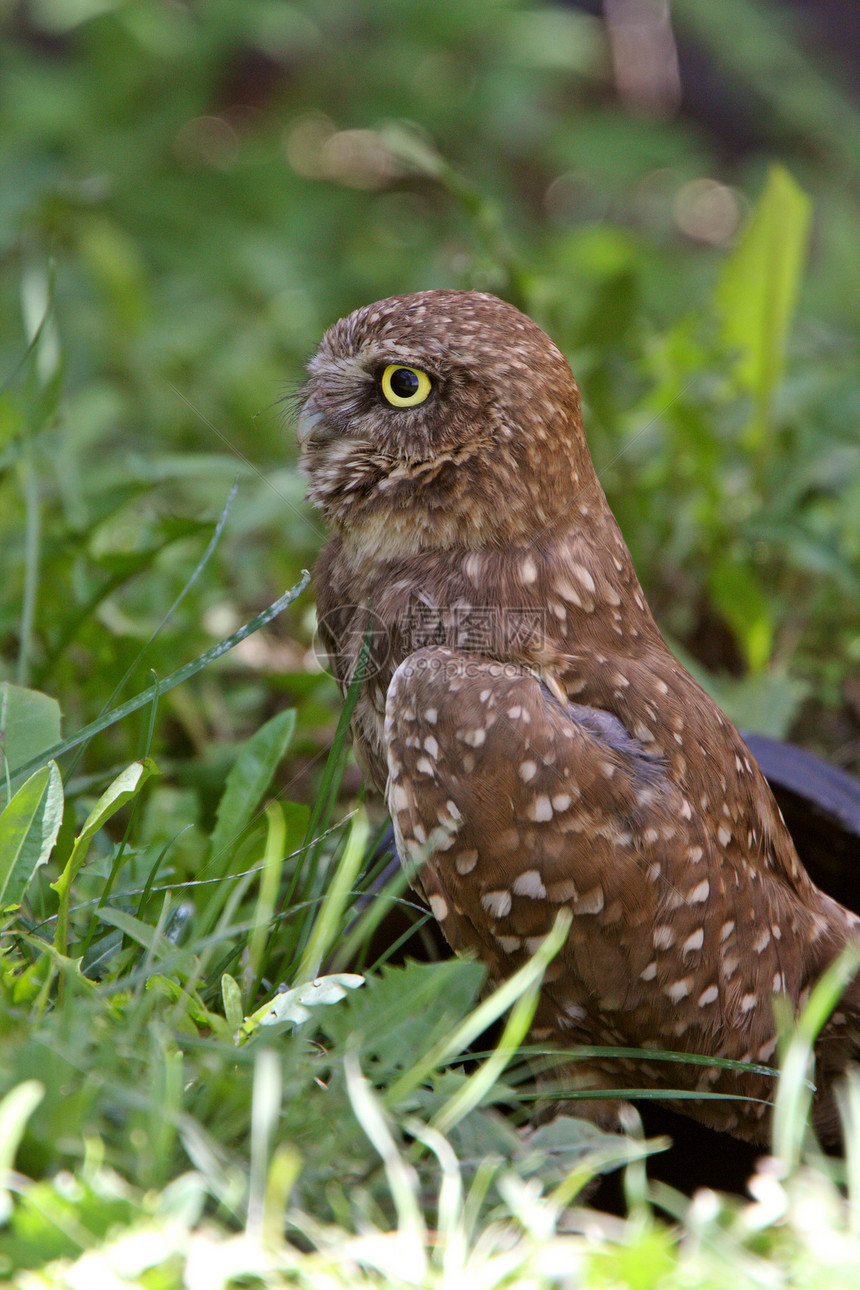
538, 744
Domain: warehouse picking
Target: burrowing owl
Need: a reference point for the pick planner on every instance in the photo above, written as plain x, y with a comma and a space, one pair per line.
538, 744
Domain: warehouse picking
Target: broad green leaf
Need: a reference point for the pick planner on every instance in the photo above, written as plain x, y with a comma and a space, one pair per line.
232, 997
126, 786
28, 830
29, 724
402, 1011
757, 290
69, 969
738, 595
767, 703
149, 937
250, 777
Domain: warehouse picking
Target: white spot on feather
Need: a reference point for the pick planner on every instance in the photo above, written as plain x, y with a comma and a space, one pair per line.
399, 798
528, 570
541, 809
497, 903
439, 907
530, 884
694, 941
465, 861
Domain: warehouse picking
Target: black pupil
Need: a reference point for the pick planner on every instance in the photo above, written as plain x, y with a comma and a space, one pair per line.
404, 383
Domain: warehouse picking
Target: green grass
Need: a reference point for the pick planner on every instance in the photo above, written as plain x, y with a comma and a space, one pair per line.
183, 842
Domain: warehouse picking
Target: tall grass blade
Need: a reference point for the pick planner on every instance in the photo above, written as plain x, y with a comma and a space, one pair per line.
175, 678
485, 1014
328, 923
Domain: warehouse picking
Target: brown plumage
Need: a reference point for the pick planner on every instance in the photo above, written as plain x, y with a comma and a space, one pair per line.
538, 743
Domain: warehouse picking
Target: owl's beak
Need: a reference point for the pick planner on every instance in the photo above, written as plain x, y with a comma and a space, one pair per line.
308, 422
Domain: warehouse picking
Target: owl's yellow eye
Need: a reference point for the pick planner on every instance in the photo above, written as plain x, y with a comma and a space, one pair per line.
404, 387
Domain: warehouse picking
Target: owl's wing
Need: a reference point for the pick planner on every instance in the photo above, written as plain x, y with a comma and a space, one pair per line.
512, 804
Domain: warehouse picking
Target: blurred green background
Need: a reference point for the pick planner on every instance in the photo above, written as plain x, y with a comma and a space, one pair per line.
190, 194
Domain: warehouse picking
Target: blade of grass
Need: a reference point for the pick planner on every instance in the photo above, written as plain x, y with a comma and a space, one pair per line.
119, 857
358, 936
795, 1091
37, 330
451, 1212
175, 678
486, 1012
402, 1179
473, 1092
273, 856
328, 922
125, 787
195, 574
303, 882
265, 1108
638, 1094
332, 776
32, 547
659, 1055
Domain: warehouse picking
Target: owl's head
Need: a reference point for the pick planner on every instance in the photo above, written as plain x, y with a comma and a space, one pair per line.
439, 419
